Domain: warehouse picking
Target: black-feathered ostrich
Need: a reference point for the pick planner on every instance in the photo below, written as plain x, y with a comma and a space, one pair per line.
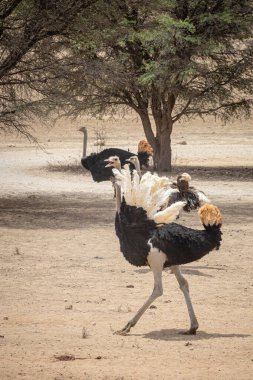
182, 191
146, 238
96, 165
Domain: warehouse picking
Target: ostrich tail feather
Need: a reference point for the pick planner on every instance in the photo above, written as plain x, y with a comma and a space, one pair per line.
210, 215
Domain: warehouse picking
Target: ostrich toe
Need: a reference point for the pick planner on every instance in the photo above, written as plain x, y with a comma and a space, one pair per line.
125, 329
191, 331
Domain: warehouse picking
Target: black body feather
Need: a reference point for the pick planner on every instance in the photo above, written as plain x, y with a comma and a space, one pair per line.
134, 229
180, 244
184, 245
95, 163
190, 197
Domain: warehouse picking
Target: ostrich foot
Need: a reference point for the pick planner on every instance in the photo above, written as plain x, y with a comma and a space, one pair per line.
191, 331
125, 329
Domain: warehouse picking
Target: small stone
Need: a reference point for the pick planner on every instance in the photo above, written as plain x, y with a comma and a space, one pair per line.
65, 357
69, 307
153, 307
124, 309
188, 344
6, 318
182, 142
84, 333
17, 252
130, 286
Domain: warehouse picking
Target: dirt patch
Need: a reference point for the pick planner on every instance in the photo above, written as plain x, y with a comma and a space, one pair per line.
59, 249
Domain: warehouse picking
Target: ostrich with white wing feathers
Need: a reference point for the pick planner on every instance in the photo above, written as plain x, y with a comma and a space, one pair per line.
146, 238
182, 191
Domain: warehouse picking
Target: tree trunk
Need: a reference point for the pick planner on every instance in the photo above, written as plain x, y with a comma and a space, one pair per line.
161, 144
162, 107
163, 159
148, 130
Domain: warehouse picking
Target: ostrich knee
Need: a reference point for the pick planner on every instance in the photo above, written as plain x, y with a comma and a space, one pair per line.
157, 292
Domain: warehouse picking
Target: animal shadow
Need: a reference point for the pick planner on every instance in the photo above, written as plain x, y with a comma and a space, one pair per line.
176, 335
185, 270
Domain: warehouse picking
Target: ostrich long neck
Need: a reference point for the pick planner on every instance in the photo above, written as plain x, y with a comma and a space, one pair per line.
118, 197
85, 138
138, 167
118, 189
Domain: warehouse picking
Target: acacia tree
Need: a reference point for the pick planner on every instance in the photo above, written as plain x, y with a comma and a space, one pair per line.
165, 59
29, 31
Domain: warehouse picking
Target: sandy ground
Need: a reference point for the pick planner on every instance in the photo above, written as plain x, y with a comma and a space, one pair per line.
62, 275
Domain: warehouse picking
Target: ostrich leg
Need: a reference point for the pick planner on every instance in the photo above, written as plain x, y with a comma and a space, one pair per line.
185, 289
156, 261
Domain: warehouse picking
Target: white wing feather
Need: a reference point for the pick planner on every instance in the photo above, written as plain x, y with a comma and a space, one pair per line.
169, 214
151, 192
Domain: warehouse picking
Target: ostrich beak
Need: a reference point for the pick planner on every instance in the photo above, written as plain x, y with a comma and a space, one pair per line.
110, 163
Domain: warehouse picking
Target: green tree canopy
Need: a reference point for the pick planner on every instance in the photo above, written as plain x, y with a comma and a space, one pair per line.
165, 59
30, 30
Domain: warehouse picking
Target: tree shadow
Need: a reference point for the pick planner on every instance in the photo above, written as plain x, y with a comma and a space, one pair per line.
231, 211
229, 173
210, 173
176, 335
71, 211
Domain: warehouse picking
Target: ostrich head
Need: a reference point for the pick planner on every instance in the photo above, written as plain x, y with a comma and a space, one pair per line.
113, 162
183, 182
82, 129
134, 160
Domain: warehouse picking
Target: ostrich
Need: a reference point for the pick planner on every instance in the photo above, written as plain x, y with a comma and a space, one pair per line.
95, 162
146, 238
193, 197
182, 191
